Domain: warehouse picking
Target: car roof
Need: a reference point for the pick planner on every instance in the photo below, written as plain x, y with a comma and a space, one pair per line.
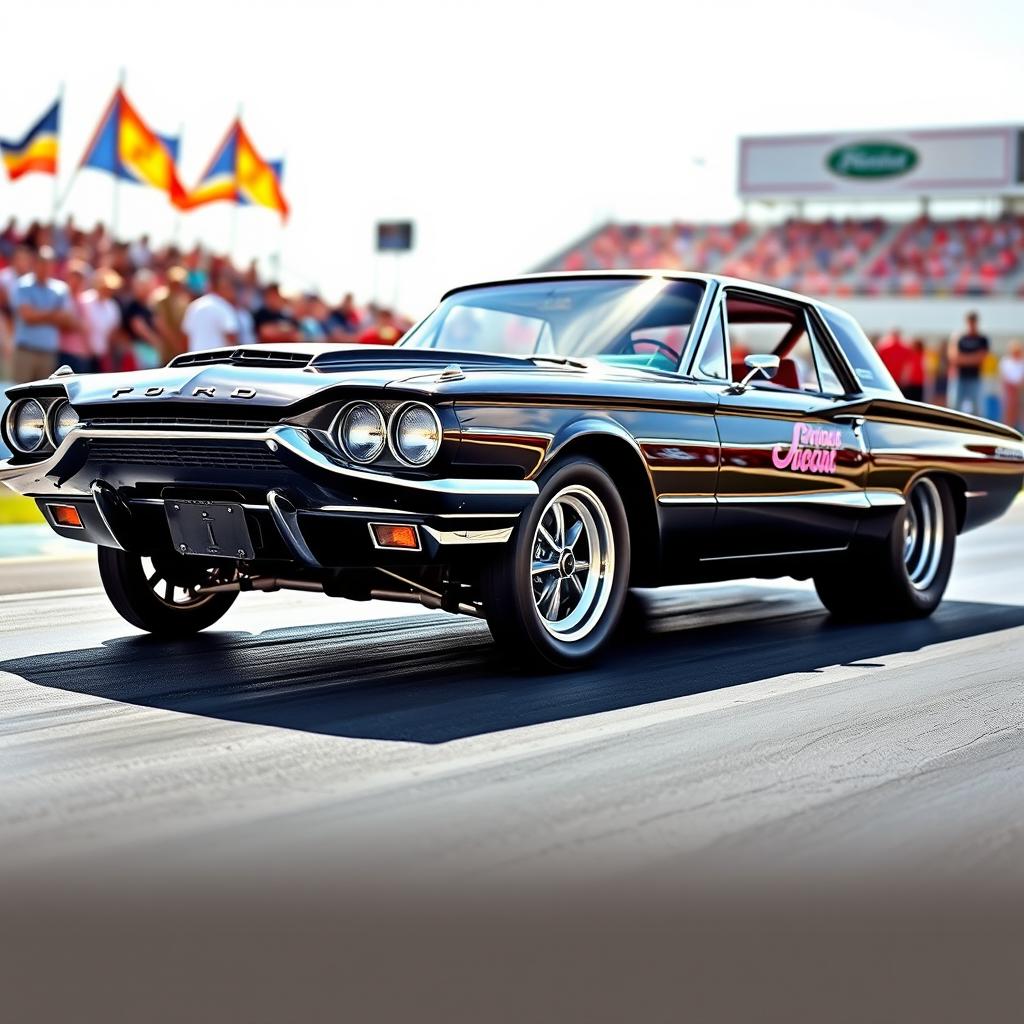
673, 275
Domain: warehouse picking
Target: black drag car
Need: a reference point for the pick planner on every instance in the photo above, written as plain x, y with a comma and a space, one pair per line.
530, 451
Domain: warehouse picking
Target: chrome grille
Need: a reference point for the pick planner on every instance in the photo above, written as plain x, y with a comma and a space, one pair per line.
174, 422
181, 453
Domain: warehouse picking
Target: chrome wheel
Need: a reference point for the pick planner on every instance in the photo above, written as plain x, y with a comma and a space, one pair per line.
923, 534
174, 590
573, 563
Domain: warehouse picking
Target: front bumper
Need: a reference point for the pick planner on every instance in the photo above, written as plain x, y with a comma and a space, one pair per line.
302, 505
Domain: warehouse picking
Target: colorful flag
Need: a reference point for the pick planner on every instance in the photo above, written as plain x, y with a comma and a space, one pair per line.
238, 174
126, 147
37, 151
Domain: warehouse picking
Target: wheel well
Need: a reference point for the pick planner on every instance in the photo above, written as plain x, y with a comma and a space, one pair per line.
626, 468
958, 492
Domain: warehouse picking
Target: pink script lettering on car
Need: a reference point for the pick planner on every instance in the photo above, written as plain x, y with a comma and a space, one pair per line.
811, 450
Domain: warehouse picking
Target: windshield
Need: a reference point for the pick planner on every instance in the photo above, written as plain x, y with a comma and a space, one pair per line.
626, 321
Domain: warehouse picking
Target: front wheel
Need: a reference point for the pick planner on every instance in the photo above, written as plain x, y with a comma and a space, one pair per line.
161, 594
906, 574
554, 595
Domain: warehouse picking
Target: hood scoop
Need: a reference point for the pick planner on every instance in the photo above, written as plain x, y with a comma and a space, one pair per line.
246, 355
339, 358
384, 357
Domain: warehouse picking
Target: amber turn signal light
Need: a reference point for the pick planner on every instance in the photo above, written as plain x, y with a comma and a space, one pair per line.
390, 535
66, 515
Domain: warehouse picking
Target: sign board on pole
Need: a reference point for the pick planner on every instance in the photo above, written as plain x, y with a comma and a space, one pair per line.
394, 235
883, 164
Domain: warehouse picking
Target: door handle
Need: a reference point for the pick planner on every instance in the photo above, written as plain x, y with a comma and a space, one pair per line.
856, 421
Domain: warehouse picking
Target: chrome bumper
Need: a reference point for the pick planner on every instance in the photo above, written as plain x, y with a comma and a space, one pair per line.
450, 511
43, 477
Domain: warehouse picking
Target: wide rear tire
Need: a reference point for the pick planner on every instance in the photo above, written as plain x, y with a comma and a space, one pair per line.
554, 595
159, 595
905, 575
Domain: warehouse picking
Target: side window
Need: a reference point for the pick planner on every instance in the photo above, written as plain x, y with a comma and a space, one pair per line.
760, 326
829, 382
860, 353
801, 356
713, 362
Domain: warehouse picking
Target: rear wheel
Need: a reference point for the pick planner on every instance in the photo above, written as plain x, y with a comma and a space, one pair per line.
161, 594
555, 594
904, 575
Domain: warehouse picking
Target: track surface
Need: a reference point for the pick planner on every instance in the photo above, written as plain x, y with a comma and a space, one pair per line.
743, 730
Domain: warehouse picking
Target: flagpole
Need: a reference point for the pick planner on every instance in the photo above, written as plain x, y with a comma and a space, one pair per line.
234, 204
276, 257
116, 198
176, 229
56, 178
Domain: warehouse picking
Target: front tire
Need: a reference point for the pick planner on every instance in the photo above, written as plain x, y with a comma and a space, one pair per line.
554, 596
160, 594
905, 575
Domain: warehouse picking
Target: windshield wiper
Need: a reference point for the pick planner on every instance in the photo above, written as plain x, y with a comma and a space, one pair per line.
561, 360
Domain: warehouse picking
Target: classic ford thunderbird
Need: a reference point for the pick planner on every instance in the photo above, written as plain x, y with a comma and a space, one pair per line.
530, 451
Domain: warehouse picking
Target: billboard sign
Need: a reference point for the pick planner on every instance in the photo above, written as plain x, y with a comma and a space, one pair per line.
394, 235
886, 165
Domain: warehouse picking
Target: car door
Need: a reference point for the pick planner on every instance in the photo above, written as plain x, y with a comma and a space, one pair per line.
793, 461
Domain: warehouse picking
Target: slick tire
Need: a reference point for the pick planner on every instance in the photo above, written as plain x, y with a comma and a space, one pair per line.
139, 593
554, 595
905, 575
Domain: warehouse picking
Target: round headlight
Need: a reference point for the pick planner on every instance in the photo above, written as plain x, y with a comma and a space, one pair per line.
27, 425
62, 420
416, 434
361, 432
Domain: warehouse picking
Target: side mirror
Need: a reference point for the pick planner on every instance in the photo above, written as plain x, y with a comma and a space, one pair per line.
766, 365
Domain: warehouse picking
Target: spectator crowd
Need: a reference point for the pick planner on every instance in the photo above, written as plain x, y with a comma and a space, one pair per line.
853, 256
81, 298
955, 374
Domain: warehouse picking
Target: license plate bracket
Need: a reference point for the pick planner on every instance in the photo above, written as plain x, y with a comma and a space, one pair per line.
212, 529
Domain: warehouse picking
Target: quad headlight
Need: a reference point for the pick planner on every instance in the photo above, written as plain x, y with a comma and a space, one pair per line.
361, 431
415, 433
60, 421
26, 425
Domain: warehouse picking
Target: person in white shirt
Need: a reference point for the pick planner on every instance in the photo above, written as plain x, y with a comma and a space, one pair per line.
211, 321
1011, 373
101, 314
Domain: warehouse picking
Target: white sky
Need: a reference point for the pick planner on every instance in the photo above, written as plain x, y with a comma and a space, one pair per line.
503, 130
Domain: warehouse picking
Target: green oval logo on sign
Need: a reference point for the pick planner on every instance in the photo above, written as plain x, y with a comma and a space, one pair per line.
872, 160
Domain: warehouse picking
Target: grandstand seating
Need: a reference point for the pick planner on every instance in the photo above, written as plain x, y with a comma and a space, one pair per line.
864, 256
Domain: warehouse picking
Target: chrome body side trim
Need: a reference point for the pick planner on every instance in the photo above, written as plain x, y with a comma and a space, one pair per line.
679, 442
842, 499
450, 537
886, 499
372, 510
469, 433
686, 499
776, 554
845, 499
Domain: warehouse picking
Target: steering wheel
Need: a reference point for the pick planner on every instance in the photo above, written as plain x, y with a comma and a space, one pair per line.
630, 345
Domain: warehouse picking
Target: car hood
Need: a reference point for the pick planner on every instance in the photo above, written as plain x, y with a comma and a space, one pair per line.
300, 376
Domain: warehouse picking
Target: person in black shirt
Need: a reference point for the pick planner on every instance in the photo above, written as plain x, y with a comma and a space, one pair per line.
272, 321
966, 356
138, 322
